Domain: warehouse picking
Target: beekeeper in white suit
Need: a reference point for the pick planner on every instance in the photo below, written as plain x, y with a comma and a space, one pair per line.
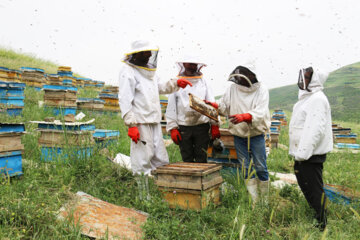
190, 129
246, 102
139, 90
310, 135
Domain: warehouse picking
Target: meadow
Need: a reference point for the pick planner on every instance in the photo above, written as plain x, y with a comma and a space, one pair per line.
29, 204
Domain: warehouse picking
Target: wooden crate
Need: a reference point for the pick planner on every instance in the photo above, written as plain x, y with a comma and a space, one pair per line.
10, 141
189, 185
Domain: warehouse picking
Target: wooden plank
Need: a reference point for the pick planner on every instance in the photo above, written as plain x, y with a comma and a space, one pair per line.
194, 169
200, 106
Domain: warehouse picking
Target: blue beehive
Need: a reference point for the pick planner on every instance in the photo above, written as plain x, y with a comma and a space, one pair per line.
12, 97
105, 137
347, 145
49, 154
341, 195
11, 163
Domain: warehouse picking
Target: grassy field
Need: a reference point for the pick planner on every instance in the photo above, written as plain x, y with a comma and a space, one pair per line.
29, 204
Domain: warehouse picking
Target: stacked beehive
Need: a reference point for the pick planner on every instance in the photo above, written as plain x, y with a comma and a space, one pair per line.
343, 138
99, 85
226, 155
279, 115
66, 76
80, 82
87, 83
53, 79
189, 185
275, 133
90, 104
33, 77
9, 75
110, 94
62, 140
12, 98
11, 148
62, 99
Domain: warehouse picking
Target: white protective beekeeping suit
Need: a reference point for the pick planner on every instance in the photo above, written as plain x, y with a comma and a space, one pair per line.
139, 90
254, 100
178, 111
310, 125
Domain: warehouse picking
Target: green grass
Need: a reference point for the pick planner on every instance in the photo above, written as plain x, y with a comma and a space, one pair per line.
342, 89
29, 204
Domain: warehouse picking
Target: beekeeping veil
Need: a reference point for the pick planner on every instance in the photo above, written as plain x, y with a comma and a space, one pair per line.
142, 54
305, 77
243, 76
190, 66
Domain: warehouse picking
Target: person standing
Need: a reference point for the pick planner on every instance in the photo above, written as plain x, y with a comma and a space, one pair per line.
246, 102
310, 136
190, 129
139, 102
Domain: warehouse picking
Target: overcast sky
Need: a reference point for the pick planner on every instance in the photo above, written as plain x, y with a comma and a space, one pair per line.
278, 37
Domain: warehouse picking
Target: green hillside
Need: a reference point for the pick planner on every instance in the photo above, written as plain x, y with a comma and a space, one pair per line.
342, 89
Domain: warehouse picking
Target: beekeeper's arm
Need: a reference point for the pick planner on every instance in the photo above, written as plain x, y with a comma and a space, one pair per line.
314, 128
261, 109
172, 85
127, 85
171, 113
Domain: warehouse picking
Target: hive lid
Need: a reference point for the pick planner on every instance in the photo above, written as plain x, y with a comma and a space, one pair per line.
185, 168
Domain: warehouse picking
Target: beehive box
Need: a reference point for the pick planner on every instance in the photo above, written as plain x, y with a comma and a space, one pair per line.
51, 137
227, 138
11, 148
342, 195
12, 97
105, 137
92, 104
342, 138
189, 185
227, 158
33, 77
65, 154
347, 145
342, 131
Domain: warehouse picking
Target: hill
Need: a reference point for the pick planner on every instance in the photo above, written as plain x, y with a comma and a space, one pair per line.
342, 89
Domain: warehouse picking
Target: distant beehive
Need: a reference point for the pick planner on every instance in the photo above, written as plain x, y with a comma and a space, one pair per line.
110, 94
62, 99
90, 104
66, 76
10, 75
12, 98
33, 77
11, 149
53, 79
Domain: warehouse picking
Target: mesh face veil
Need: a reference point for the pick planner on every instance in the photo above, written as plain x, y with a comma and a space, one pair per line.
243, 76
189, 69
146, 59
305, 76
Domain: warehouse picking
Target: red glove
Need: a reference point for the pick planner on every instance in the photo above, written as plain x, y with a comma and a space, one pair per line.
238, 118
215, 132
175, 135
134, 134
214, 104
183, 83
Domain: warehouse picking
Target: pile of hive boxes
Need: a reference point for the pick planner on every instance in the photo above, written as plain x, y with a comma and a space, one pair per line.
10, 75
12, 98
33, 77
90, 104
344, 138
11, 149
278, 120
61, 99
62, 141
66, 76
110, 95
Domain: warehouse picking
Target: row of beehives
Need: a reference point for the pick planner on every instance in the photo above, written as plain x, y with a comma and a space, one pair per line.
58, 141
63, 99
344, 138
37, 78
